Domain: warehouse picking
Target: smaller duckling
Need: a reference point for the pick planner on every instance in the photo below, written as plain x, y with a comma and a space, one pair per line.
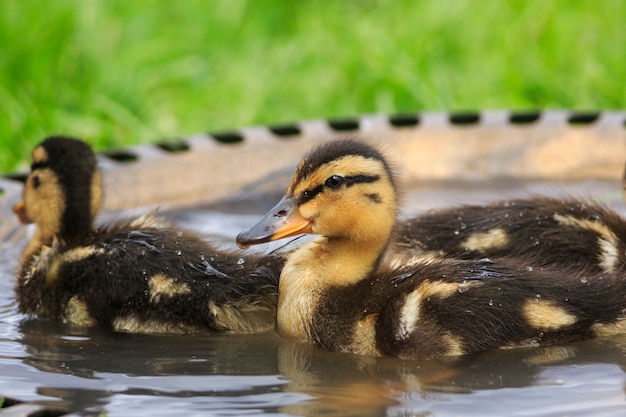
545, 231
141, 275
339, 291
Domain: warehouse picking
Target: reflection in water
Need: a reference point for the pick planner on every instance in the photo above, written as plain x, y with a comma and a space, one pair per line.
105, 371
87, 352
345, 384
94, 371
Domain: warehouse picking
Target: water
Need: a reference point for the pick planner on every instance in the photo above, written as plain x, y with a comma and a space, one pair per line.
91, 372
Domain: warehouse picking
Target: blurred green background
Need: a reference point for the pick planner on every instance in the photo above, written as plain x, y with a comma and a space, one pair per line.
119, 72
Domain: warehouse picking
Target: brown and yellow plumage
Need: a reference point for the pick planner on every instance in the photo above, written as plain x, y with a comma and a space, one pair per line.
140, 275
544, 231
370, 286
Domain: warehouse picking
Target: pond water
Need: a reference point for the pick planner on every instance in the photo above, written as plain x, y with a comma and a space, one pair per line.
94, 372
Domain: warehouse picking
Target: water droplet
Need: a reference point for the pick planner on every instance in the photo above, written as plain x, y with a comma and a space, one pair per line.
178, 253
144, 272
240, 261
583, 280
202, 257
538, 297
456, 232
490, 302
143, 252
462, 288
179, 234
530, 268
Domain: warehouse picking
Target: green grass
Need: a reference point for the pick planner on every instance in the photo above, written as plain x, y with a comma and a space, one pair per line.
118, 72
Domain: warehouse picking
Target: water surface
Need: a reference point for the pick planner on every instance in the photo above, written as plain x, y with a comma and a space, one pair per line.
93, 371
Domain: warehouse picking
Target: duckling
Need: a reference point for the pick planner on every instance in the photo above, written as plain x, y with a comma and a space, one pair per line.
337, 291
545, 231
137, 275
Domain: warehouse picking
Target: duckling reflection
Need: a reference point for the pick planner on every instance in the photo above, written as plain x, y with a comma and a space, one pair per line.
355, 385
140, 275
89, 352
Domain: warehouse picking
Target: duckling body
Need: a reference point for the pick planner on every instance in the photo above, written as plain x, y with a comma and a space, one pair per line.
341, 292
140, 275
545, 231
456, 307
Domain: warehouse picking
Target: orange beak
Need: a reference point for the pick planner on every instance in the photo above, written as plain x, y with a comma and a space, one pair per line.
283, 220
20, 211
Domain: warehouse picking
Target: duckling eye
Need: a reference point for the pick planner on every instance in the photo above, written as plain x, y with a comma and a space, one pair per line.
36, 182
334, 182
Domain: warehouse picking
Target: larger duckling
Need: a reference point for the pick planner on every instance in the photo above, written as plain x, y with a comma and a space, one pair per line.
141, 275
337, 292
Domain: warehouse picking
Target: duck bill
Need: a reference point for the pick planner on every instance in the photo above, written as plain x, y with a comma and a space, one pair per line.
283, 220
20, 211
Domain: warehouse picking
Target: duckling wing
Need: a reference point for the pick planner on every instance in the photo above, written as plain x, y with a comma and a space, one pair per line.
458, 307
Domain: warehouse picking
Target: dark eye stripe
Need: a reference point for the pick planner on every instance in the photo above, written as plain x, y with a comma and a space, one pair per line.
309, 195
39, 165
358, 179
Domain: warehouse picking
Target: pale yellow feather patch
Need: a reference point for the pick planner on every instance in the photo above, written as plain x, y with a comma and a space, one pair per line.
609, 329
133, 324
364, 339
149, 220
493, 239
607, 239
242, 317
395, 259
71, 256
455, 345
96, 193
77, 313
410, 311
39, 155
545, 315
163, 286
409, 314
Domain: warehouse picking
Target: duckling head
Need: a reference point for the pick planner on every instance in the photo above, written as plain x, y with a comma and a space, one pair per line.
343, 189
63, 191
